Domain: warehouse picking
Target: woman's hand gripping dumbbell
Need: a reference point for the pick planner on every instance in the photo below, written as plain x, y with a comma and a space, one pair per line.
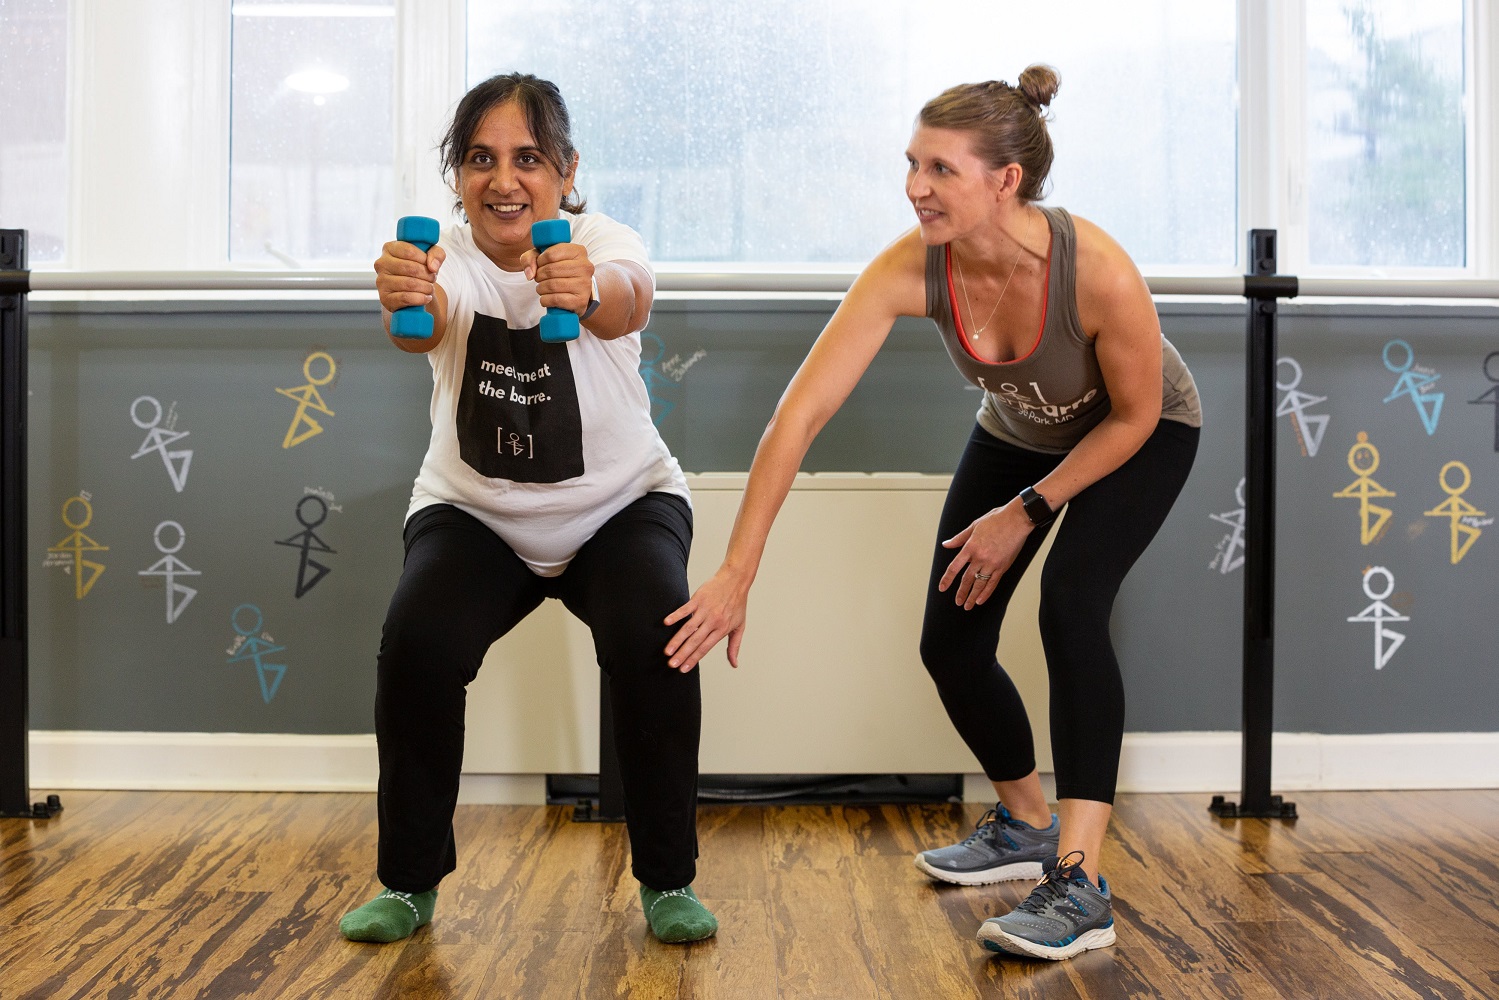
565, 280
405, 277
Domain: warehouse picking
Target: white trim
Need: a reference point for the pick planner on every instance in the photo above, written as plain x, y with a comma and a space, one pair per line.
1211, 761
1151, 762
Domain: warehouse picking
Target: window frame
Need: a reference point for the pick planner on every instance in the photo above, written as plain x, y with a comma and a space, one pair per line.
166, 181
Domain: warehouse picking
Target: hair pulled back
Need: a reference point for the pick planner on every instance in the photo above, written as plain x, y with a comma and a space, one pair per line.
546, 118
1008, 124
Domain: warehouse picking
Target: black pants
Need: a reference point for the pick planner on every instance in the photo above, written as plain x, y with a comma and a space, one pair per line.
1108, 526
461, 589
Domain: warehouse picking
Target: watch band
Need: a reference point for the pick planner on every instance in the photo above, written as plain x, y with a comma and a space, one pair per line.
1036, 507
593, 301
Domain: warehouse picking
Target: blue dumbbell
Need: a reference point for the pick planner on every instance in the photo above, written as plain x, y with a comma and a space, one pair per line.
558, 325
415, 322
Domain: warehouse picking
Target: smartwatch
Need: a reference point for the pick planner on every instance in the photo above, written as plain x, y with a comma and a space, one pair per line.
593, 299
1036, 507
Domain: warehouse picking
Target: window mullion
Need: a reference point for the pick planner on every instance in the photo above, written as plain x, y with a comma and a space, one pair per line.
1483, 120
429, 68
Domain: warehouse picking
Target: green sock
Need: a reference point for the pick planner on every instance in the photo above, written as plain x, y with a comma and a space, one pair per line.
677, 916
390, 916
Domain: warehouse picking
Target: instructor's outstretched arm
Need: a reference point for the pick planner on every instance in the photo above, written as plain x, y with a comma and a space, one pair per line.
892, 285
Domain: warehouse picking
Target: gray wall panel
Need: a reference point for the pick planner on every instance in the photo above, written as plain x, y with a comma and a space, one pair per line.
112, 661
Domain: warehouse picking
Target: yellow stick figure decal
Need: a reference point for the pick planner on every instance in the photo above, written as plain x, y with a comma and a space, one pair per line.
78, 543
1459, 510
308, 398
1364, 488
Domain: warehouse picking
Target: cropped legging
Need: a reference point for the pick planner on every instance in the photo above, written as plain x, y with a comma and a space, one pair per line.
1106, 528
461, 589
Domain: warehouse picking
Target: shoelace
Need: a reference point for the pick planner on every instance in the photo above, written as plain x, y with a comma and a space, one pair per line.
1053, 885
982, 828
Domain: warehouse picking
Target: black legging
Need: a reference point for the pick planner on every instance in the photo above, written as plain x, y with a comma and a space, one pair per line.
461, 589
1107, 527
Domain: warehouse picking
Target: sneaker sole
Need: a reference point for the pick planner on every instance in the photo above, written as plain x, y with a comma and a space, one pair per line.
1030, 870
994, 938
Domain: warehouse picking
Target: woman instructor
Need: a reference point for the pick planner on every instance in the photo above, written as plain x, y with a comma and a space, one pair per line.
1085, 406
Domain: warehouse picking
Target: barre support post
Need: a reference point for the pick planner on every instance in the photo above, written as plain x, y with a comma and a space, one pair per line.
15, 792
1262, 288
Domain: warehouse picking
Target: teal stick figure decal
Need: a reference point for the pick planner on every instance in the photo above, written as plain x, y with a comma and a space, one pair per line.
1415, 381
250, 646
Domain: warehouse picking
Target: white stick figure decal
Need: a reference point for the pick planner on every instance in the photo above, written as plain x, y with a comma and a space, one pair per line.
159, 435
1309, 427
1386, 641
170, 567
1230, 554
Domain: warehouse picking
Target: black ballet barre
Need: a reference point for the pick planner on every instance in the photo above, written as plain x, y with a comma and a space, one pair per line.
1261, 287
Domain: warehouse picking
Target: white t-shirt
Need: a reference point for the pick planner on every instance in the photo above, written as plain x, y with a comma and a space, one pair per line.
543, 443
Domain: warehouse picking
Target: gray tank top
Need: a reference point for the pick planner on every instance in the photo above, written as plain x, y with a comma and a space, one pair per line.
1047, 400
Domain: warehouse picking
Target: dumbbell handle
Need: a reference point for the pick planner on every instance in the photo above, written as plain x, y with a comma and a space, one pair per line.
558, 325
415, 322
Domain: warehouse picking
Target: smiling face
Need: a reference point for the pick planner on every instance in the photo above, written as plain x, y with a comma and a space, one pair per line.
507, 183
951, 188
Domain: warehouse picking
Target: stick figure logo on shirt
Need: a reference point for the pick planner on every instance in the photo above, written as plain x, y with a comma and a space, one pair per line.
1230, 554
158, 436
249, 646
1491, 397
85, 572
1415, 382
1363, 489
308, 541
1309, 427
1386, 641
308, 398
1459, 510
170, 567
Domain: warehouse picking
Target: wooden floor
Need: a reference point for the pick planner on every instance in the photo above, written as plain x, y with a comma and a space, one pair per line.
155, 894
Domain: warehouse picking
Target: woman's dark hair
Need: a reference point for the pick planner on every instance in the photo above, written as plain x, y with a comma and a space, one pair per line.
546, 117
1008, 124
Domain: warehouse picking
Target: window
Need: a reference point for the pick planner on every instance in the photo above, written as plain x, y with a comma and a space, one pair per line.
311, 169
1386, 133
776, 130
33, 124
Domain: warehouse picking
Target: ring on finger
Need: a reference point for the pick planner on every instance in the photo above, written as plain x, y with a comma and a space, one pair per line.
982, 576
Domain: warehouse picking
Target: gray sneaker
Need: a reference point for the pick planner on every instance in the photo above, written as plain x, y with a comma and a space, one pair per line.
1001, 848
1065, 915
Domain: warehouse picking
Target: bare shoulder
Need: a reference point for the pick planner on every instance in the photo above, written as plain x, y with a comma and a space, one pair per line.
1107, 279
896, 277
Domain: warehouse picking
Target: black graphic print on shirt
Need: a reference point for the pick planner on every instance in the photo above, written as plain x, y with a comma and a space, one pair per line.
518, 413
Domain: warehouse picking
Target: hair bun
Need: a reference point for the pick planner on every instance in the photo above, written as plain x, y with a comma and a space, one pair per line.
1039, 84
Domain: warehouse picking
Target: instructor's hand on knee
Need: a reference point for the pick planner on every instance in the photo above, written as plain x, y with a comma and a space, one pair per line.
986, 548
716, 610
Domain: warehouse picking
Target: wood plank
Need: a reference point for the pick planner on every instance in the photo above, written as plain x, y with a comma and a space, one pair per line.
1371, 895
1388, 962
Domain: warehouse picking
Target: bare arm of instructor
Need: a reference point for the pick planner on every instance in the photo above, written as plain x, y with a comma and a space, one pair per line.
892, 285
1114, 305
564, 276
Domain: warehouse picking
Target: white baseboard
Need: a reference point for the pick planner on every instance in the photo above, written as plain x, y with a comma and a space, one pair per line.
1151, 762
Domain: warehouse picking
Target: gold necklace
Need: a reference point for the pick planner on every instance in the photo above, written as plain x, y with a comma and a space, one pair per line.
962, 281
